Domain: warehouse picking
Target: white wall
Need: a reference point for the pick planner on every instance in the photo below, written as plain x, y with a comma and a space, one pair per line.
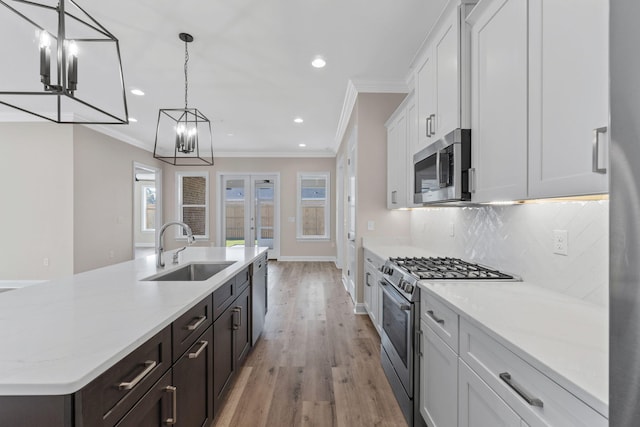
36, 201
518, 239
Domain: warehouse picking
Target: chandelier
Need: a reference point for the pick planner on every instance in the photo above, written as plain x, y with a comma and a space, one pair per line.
183, 135
76, 58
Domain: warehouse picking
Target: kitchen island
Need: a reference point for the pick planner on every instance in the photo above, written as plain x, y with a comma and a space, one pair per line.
59, 336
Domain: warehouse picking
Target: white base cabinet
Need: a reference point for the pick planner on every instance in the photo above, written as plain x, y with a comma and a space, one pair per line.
479, 406
372, 290
438, 380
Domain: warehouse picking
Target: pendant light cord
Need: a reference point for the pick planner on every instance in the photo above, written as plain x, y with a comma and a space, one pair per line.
186, 76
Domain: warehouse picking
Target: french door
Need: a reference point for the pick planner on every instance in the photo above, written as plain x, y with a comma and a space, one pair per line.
249, 211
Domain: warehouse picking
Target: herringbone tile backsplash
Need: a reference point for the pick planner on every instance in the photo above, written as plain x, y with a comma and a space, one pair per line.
518, 239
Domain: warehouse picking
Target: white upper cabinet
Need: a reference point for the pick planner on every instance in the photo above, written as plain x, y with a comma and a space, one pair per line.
568, 97
399, 164
499, 100
539, 93
442, 75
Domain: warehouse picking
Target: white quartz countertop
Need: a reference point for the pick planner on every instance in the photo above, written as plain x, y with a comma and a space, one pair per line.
392, 251
59, 335
565, 338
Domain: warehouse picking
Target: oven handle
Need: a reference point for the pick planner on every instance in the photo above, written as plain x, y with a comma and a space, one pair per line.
401, 304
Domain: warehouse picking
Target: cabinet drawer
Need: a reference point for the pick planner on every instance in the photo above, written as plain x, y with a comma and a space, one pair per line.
534, 396
242, 280
259, 263
223, 297
188, 327
440, 318
106, 399
373, 259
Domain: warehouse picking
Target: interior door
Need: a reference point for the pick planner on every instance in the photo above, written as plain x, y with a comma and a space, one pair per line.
352, 257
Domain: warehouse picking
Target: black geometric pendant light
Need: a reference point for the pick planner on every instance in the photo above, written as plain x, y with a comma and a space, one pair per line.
183, 135
60, 64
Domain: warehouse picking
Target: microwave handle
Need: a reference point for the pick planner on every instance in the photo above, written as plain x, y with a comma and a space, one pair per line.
442, 156
472, 180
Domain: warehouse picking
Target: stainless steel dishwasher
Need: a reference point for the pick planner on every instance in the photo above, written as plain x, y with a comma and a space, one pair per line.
258, 296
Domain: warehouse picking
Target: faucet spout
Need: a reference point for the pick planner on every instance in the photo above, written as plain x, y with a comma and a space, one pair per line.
160, 245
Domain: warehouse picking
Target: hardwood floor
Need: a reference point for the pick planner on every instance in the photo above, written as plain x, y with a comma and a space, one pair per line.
316, 364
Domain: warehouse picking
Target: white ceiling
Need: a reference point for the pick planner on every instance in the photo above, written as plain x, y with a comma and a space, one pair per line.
249, 68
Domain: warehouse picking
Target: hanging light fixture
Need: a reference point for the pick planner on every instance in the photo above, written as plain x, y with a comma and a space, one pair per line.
80, 67
183, 135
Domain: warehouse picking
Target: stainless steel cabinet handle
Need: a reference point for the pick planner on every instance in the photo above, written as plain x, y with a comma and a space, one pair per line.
596, 150
419, 339
433, 316
472, 180
203, 345
432, 124
533, 401
174, 392
427, 126
193, 326
366, 280
149, 365
239, 311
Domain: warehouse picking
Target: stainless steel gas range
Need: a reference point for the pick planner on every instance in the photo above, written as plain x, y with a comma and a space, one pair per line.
401, 318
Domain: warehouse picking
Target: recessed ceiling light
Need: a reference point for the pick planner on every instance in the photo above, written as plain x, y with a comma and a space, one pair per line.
302, 145
298, 120
137, 92
318, 62
133, 119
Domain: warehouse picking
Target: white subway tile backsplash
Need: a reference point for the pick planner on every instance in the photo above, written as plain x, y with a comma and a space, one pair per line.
519, 239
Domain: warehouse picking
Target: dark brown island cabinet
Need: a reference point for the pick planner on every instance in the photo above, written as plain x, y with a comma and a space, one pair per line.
177, 378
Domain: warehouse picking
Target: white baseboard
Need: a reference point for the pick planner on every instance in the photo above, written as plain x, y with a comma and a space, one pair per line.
307, 259
360, 308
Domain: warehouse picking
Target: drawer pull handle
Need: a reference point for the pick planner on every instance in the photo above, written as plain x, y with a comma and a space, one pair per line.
433, 316
193, 326
203, 345
533, 401
150, 364
174, 392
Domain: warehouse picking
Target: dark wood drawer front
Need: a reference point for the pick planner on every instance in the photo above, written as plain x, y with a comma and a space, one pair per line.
188, 327
223, 297
155, 409
193, 377
106, 399
242, 280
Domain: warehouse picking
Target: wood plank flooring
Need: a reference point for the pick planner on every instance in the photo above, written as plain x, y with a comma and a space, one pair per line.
316, 364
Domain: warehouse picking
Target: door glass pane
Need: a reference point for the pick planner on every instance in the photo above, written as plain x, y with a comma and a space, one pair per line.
234, 211
264, 208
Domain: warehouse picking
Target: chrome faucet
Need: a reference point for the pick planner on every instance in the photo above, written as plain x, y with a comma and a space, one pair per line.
160, 246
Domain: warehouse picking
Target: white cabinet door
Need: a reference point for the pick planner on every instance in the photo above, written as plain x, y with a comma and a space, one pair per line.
499, 70
479, 406
569, 96
425, 88
412, 148
447, 83
367, 288
397, 161
438, 380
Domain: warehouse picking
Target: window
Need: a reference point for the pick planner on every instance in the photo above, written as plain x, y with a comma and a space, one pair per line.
313, 205
148, 222
193, 203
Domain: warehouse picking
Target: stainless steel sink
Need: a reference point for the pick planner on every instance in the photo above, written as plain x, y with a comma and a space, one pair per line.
191, 272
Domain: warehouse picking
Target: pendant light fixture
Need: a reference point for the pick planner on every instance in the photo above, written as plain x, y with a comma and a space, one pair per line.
183, 135
77, 59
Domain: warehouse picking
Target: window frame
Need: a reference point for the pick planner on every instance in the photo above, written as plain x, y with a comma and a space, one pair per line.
180, 206
327, 206
143, 209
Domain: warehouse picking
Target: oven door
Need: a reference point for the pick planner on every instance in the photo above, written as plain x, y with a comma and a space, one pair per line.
397, 327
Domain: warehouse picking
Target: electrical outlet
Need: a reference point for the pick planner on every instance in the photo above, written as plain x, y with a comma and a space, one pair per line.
371, 225
45, 262
560, 242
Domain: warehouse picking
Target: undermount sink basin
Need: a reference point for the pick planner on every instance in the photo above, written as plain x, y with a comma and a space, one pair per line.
191, 272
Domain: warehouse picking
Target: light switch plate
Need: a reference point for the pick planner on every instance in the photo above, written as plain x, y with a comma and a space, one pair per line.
560, 242
371, 225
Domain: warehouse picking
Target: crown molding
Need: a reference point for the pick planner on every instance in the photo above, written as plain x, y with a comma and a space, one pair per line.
110, 131
354, 87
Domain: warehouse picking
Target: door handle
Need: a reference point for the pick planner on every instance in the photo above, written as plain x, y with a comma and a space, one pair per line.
427, 126
432, 124
174, 392
596, 150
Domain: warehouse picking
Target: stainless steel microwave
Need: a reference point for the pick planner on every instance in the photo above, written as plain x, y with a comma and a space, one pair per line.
441, 170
